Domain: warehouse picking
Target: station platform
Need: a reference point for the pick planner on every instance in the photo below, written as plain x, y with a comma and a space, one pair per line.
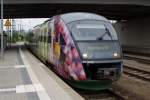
24, 77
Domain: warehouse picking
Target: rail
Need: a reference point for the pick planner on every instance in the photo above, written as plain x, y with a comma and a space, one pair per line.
137, 73
140, 58
101, 95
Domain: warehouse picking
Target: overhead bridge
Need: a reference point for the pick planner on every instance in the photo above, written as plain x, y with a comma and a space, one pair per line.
113, 9
133, 16
137, 2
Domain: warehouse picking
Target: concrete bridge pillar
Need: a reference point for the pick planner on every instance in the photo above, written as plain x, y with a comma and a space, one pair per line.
134, 35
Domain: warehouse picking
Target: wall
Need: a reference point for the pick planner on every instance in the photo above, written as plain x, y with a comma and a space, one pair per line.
134, 34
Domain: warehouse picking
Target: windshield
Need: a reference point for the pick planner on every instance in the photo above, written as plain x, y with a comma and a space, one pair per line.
94, 39
92, 30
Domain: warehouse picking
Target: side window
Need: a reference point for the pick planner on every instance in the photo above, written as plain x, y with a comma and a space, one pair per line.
45, 34
44, 38
49, 33
62, 41
41, 38
49, 39
41, 32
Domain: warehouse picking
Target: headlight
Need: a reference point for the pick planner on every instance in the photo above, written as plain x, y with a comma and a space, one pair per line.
115, 55
85, 55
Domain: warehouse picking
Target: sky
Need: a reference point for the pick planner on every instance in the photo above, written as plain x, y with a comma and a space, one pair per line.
27, 24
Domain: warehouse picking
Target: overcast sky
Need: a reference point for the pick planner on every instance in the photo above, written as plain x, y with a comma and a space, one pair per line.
27, 24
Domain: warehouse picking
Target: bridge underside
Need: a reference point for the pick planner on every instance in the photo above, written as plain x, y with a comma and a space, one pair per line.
111, 11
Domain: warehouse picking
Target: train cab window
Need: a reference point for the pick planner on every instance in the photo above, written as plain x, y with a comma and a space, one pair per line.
91, 30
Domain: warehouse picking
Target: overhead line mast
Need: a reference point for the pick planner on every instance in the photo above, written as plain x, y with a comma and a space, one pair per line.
2, 38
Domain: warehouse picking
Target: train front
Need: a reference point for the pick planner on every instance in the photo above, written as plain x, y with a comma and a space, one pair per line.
100, 52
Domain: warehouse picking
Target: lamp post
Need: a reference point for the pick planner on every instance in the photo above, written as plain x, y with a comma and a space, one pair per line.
2, 48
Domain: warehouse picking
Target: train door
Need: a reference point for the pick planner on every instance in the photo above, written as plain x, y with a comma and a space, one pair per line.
38, 42
45, 41
33, 42
50, 40
41, 42
62, 45
59, 45
56, 48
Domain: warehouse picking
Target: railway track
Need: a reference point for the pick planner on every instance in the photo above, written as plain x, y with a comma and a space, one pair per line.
110, 94
101, 95
139, 58
137, 73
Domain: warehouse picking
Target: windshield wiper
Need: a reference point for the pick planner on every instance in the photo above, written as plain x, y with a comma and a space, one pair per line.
107, 32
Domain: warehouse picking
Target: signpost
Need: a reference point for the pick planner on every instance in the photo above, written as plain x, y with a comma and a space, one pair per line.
8, 23
2, 48
8, 29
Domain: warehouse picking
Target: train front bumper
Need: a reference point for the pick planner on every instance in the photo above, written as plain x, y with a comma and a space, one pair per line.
92, 84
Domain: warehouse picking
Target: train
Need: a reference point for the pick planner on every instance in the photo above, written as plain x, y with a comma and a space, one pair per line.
83, 49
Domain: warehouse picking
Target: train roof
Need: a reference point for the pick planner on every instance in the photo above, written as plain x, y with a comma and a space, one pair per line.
70, 17
37, 26
42, 23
